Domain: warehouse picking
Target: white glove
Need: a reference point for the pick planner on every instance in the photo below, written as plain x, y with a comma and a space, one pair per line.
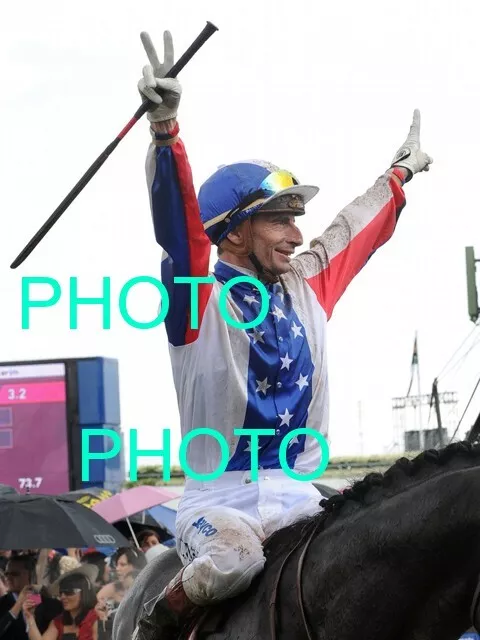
410, 156
164, 92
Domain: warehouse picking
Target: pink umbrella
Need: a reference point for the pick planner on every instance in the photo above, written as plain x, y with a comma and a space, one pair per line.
131, 501
126, 503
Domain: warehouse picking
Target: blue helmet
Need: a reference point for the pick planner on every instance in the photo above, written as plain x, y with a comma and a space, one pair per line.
236, 191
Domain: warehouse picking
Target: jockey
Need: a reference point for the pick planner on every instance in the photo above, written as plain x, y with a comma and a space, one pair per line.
271, 376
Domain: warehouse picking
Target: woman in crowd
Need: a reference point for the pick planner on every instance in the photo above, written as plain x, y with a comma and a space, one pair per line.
4, 558
79, 619
125, 561
58, 566
99, 560
148, 539
129, 579
3, 584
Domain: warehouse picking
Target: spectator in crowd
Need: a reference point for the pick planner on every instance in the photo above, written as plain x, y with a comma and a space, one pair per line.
4, 557
20, 575
124, 561
58, 566
106, 610
78, 619
147, 539
3, 584
98, 559
52, 564
129, 579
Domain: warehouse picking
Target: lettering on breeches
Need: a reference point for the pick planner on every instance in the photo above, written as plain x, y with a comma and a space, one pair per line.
204, 527
186, 551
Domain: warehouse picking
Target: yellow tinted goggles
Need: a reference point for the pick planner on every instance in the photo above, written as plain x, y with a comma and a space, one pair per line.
277, 181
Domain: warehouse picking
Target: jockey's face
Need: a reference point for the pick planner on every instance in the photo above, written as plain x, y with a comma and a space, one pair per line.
275, 238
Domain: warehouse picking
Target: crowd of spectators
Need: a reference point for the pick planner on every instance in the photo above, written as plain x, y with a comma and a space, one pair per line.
69, 594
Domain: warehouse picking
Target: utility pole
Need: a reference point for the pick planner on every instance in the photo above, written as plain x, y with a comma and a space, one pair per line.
422, 433
437, 411
472, 293
473, 435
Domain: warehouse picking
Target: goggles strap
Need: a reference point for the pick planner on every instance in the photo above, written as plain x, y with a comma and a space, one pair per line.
267, 275
246, 249
222, 226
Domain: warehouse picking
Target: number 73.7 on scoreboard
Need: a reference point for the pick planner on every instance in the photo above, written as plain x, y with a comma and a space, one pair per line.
29, 483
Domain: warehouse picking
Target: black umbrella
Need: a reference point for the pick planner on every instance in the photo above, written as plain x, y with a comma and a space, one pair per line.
141, 522
39, 522
88, 497
7, 490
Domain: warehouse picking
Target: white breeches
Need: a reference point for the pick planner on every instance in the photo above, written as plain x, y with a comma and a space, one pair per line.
222, 524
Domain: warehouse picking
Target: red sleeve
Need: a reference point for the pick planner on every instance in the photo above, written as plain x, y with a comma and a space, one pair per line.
179, 231
346, 246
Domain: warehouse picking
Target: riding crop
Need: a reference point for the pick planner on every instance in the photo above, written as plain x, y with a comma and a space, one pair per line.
206, 33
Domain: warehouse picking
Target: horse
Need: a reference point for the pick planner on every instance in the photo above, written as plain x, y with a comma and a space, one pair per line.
396, 556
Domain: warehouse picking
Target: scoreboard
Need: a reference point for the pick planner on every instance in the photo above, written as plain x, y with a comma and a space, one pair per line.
44, 406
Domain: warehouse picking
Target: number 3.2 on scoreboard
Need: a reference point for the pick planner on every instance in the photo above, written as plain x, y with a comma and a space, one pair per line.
29, 483
17, 394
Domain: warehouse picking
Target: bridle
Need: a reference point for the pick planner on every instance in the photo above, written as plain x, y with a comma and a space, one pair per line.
298, 587
273, 599
474, 606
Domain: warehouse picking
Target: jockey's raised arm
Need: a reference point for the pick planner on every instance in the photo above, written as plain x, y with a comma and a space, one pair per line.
362, 227
344, 248
175, 211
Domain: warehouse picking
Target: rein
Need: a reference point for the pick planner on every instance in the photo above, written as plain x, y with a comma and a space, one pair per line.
273, 599
474, 606
298, 587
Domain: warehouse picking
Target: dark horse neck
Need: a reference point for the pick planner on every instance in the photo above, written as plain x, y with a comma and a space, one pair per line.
398, 558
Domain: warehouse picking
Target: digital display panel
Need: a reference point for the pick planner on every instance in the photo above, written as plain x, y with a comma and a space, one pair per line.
33, 428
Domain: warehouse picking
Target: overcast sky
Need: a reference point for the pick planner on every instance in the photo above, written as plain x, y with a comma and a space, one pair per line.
326, 90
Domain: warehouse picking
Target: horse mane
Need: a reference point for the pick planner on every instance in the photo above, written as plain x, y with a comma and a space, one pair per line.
361, 493
372, 489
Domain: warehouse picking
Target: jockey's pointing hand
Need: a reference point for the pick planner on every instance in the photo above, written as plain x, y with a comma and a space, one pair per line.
164, 92
410, 156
